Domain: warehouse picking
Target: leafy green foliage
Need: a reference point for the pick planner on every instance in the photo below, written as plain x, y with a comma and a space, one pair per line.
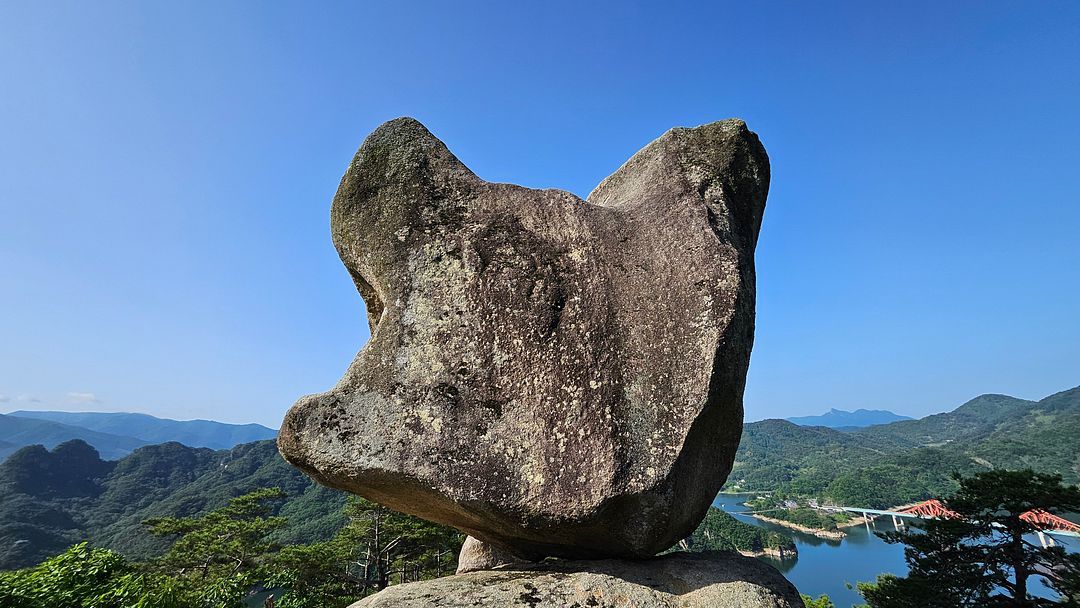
90, 578
46, 506
822, 601
980, 558
183, 482
51, 500
227, 546
217, 559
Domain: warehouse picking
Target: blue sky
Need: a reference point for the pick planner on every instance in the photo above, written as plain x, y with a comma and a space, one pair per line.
166, 171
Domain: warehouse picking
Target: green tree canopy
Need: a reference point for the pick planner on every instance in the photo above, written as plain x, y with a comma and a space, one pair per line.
83, 577
822, 601
223, 554
981, 558
374, 548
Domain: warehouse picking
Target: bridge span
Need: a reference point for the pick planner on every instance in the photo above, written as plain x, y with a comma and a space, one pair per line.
1047, 523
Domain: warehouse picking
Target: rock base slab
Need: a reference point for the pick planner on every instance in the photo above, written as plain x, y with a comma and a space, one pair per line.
677, 580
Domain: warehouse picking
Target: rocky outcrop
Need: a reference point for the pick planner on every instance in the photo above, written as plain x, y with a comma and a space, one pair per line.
551, 375
677, 580
478, 555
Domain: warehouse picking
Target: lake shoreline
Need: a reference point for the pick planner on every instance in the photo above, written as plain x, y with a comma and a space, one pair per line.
774, 552
855, 521
826, 534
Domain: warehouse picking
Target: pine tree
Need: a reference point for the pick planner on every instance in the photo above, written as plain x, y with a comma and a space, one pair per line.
375, 548
224, 553
980, 557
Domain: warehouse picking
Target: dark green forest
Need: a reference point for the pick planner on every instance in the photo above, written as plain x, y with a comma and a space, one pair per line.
52, 500
55, 499
912, 460
229, 558
165, 527
722, 532
145, 522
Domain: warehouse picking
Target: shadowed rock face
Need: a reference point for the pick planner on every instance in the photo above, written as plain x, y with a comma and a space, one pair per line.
550, 375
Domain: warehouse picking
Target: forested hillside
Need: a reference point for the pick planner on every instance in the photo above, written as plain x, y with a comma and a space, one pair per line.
720, 531
50, 500
891, 464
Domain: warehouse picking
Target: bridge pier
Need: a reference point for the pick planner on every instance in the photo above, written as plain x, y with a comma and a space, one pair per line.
1045, 539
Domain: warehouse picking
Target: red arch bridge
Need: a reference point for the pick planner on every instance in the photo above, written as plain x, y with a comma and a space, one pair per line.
1047, 524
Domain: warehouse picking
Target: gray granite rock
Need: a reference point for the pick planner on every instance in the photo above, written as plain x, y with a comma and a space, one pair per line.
677, 580
478, 555
555, 376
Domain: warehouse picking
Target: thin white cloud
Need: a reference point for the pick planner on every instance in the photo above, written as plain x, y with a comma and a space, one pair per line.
83, 398
4, 399
28, 399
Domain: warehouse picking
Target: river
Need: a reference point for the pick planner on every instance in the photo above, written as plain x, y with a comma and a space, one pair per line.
828, 566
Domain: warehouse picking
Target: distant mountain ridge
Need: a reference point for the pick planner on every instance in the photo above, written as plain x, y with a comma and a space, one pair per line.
116, 434
886, 465
843, 419
16, 432
50, 500
975, 418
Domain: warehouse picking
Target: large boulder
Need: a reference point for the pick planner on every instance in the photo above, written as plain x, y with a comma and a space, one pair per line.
550, 375
678, 580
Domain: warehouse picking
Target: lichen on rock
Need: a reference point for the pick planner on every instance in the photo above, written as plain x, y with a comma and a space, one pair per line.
722, 579
551, 375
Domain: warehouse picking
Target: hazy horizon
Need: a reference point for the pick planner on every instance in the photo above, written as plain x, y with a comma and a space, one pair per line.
748, 418
167, 170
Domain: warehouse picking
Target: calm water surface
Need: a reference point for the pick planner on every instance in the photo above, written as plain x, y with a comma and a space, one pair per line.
827, 566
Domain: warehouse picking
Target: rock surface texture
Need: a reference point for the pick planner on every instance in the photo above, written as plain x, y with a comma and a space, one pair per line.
678, 580
478, 555
554, 376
